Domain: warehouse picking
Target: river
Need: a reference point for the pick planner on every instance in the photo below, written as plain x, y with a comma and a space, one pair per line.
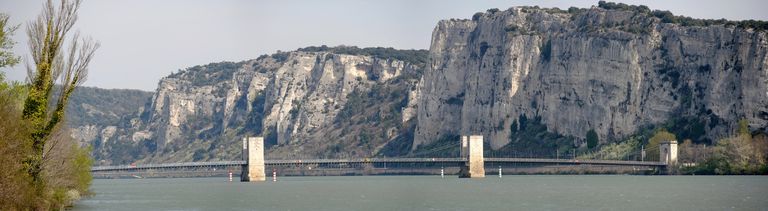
513, 192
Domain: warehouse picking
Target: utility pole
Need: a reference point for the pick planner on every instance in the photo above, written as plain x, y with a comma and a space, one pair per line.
642, 152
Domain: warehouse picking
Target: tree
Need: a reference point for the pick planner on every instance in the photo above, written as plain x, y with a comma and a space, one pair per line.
6, 44
739, 154
743, 128
688, 152
592, 139
13, 142
69, 68
652, 150
14, 146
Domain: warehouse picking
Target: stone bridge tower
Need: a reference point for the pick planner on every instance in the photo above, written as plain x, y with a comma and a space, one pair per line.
668, 152
472, 150
253, 154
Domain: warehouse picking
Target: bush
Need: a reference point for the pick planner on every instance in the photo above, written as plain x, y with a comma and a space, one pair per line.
574, 10
621, 6
67, 171
546, 51
410, 56
477, 16
530, 137
652, 149
668, 17
457, 100
741, 154
592, 139
198, 155
626, 150
17, 193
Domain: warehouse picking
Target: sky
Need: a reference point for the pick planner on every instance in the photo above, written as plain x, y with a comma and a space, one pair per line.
145, 40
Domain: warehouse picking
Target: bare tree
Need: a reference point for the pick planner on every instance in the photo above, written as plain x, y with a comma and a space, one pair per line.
52, 65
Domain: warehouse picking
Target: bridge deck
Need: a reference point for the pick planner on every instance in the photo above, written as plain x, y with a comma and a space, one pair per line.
375, 161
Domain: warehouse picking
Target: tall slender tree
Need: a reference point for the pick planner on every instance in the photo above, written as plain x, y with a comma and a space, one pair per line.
52, 65
6, 44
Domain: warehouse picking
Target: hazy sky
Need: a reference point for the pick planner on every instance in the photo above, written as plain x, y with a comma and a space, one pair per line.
145, 40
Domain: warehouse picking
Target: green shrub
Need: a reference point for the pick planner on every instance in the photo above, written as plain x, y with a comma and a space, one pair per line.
410, 56
477, 16
511, 28
199, 155
652, 148
592, 139
668, 17
546, 51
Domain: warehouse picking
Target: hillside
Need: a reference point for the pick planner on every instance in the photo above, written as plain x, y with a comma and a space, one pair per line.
92, 111
615, 69
526, 78
341, 101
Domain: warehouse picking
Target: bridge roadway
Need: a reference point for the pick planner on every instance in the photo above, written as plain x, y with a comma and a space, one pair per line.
376, 161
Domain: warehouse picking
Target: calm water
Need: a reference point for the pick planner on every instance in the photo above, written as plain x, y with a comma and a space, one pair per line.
562, 192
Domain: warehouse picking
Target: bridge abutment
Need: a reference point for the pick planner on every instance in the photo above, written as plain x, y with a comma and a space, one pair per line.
472, 150
253, 154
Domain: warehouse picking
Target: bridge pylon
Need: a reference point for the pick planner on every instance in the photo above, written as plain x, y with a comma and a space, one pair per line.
253, 154
472, 150
668, 152
668, 155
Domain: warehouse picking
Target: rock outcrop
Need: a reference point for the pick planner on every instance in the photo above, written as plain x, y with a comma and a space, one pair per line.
99, 117
517, 76
613, 71
291, 98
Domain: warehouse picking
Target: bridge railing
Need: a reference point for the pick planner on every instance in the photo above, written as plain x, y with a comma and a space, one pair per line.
364, 160
168, 165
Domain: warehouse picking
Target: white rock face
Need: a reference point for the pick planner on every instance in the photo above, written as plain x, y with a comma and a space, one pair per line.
290, 99
85, 134
108, 132
611, 71
312, 88
409, 111
141, 135
176, 101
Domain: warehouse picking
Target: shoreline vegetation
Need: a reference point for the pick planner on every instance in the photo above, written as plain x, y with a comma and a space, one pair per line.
744, 153
43, 167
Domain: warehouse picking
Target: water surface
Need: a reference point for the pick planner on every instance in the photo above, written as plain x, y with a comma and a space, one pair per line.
536, 192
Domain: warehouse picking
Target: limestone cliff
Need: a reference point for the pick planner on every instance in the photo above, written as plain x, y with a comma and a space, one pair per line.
314, 100
611, 70
524, 78
96, 116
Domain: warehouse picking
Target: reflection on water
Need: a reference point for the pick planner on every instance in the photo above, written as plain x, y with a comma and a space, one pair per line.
558, 192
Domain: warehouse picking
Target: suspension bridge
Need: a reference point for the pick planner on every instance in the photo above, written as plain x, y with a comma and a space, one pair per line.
470, 163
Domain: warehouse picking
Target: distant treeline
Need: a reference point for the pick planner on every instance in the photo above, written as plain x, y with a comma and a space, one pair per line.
411, 56
96, 106
668, 17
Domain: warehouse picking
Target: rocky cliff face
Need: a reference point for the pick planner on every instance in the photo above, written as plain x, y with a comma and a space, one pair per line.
96, 115
525, 78
613, 71
318, 102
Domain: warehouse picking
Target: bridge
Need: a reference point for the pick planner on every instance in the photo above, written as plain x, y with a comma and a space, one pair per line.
471, 163
375, 161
